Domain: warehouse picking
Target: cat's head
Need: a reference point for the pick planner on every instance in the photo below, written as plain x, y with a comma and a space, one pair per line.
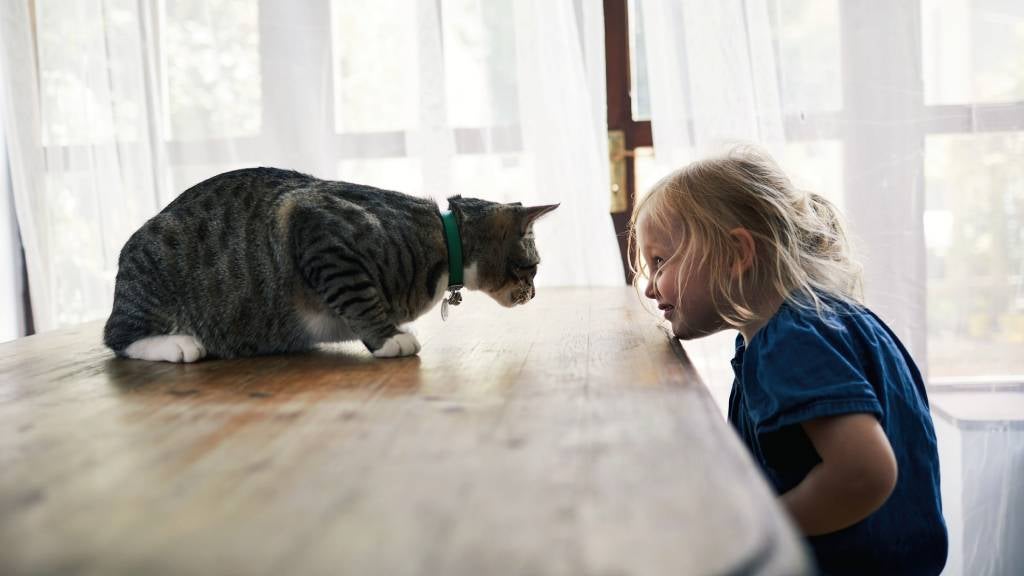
498, 248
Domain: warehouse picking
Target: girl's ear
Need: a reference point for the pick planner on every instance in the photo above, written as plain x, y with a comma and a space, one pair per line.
745, 250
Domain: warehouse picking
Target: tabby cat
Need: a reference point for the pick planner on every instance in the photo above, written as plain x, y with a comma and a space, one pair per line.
262, 261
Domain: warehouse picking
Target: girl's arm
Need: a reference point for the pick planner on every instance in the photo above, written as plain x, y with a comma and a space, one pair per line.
856, 475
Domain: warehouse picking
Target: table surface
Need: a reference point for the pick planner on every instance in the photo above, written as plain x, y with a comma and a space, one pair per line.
567, 436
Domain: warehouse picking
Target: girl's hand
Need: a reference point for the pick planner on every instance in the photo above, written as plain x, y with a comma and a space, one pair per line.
856, 475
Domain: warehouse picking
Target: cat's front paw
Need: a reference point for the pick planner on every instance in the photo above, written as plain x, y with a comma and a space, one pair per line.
401, 344
167, 348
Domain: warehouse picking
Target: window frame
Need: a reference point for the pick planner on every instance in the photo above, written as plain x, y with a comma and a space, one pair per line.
858, 53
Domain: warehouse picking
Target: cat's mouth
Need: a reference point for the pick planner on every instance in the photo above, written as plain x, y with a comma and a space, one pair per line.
522, 294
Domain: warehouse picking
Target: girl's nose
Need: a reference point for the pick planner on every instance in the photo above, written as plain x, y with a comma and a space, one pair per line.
649, 292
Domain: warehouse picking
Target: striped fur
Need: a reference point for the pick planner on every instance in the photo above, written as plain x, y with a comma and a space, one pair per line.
261, 261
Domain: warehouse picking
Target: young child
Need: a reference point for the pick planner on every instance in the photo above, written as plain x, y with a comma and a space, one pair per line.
829, 402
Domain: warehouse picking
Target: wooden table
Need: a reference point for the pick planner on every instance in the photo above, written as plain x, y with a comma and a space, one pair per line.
568, 436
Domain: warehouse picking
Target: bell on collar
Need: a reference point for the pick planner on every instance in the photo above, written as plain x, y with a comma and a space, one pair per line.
454, 299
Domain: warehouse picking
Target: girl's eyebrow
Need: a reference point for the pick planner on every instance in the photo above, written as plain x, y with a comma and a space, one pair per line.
656, 247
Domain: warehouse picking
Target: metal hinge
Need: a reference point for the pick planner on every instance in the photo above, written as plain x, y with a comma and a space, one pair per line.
617, 155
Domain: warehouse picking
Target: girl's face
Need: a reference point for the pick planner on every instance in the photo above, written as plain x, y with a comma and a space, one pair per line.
684, 300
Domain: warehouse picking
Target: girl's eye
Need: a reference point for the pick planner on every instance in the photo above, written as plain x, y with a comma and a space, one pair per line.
658, 261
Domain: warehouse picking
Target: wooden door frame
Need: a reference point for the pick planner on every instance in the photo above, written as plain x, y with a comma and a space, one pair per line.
620, 110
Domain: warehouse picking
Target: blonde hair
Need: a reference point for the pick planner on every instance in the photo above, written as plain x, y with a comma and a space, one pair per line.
802, 252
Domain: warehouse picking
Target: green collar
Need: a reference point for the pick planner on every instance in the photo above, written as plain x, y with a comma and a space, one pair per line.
451, 237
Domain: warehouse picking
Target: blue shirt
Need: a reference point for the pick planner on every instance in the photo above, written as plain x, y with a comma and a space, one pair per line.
799, 367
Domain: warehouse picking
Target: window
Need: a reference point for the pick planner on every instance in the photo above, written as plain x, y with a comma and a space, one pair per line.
212, 77
480, 62
972, 51
807, 35
402, 79
375, 89
974, 188
974, 232
960, 92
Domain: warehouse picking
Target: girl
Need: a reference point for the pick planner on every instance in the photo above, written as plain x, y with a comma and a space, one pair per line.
826, 398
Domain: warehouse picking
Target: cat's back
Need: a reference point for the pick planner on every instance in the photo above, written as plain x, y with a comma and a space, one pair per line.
213, 222
242, 204
240, 188
259, 189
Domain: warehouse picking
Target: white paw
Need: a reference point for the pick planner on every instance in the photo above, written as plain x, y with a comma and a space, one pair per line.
400, 344
170, 348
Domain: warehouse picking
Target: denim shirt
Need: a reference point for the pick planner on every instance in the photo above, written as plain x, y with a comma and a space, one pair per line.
800, 367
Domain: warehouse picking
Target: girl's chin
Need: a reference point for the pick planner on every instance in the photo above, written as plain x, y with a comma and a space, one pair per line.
690, 332
684, 335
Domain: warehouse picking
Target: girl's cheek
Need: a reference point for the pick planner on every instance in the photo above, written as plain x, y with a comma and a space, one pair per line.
654, 285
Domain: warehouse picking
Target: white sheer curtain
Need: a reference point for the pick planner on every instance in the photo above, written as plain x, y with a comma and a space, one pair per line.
12, 323
910, 115
715, 80
116, 106
712, 77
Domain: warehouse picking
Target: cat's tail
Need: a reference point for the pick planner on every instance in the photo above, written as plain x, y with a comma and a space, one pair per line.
136, 314
126, 326
133, 334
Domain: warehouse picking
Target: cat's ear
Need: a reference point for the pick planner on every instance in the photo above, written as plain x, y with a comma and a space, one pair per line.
534, 212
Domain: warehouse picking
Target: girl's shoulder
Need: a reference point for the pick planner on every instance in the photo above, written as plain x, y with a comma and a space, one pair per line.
798, 321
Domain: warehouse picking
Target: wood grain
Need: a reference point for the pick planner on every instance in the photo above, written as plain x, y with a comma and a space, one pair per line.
568, 436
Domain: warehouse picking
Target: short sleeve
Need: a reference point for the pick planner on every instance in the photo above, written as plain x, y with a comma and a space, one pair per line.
804, 368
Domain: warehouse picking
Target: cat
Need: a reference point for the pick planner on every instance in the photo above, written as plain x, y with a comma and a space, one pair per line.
264, 261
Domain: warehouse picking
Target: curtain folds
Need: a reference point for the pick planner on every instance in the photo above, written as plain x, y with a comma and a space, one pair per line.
114, 107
